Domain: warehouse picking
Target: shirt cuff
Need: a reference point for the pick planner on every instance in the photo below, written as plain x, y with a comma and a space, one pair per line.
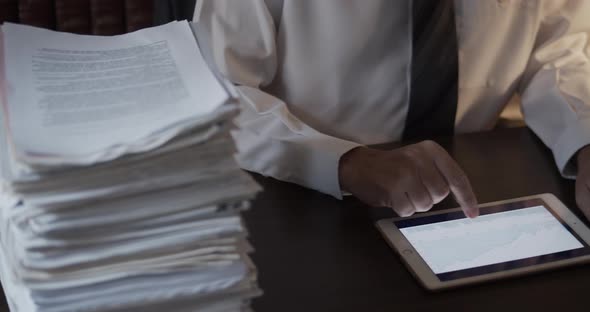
576, 136
310, 161
321, 170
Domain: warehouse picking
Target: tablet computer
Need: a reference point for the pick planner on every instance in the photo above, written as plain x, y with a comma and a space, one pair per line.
444, 249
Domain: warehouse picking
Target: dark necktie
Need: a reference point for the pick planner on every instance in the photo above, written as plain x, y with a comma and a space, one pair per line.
433, 96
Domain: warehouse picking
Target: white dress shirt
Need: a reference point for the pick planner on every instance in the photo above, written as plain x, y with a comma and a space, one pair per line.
334, 74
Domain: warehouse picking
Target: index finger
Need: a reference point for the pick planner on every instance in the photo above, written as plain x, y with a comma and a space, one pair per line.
458, 182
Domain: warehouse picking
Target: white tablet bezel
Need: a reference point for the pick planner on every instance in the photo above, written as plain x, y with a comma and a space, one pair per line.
428, 278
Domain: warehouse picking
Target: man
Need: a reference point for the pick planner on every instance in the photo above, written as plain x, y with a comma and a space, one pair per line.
321, 80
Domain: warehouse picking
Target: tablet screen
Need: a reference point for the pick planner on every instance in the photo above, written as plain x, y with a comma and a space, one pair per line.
503, 237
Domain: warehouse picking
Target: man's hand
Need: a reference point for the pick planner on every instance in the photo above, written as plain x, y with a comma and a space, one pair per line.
409, 179
583, 181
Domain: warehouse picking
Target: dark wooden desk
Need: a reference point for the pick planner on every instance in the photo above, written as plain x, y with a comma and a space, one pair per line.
315, 253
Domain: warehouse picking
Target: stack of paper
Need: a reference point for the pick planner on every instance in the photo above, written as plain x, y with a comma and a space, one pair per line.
119, 187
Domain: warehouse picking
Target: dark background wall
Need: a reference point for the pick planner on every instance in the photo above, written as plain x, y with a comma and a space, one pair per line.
99, 17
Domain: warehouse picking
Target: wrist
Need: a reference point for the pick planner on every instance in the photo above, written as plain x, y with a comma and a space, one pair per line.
347, 171
583, 157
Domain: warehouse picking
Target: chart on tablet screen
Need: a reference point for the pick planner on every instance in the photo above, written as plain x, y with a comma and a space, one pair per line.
493, 238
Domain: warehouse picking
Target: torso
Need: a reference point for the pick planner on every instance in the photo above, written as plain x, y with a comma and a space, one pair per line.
347, 66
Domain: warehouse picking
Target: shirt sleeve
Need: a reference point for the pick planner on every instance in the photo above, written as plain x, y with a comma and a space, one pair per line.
556, 86
271, 140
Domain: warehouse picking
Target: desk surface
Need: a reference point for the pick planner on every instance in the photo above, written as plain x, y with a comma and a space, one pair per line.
315, 253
